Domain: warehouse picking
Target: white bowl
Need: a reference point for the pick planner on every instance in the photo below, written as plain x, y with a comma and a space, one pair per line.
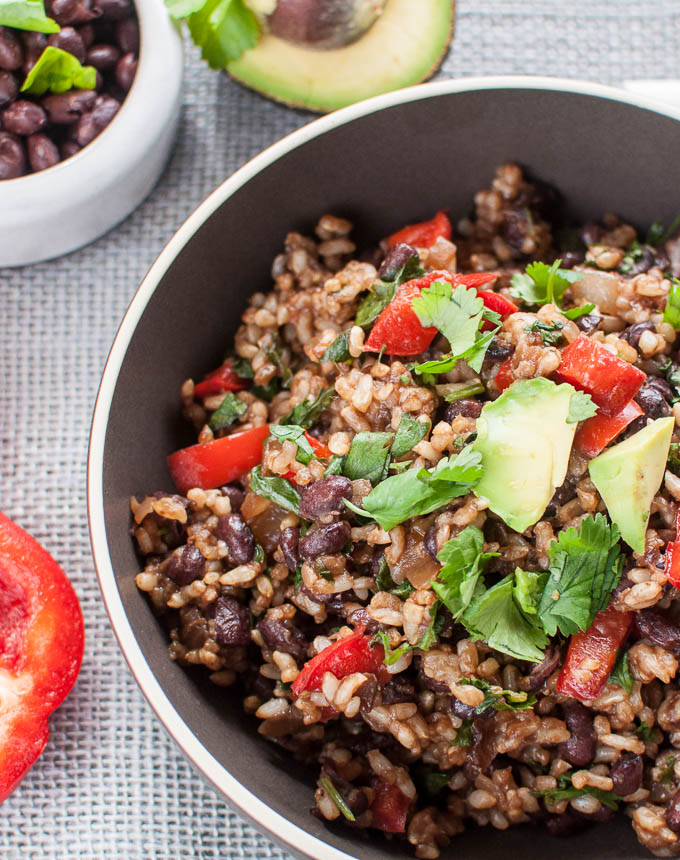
46, 214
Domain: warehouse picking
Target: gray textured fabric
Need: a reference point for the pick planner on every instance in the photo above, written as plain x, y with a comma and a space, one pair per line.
110, 783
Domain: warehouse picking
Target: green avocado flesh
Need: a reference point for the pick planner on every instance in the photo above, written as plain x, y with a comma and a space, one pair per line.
628, 476
403, 47
525, 442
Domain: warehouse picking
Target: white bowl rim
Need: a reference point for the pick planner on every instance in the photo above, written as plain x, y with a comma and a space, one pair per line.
249, 805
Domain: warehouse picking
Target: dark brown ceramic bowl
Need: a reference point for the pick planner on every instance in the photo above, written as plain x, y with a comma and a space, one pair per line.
393, 159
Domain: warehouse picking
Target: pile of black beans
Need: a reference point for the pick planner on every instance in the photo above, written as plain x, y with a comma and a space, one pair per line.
37, 132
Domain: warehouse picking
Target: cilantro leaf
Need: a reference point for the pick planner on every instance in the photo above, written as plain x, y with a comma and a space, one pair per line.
409, 433
416, 492
493, 615
542, 284
463, 735
426, 642
26, 15
227, 412
566, 791
58, 71
634, 253
294, 433
277, 490
334, 466
585, 567
273, 353
498, 698
242, 367
179, 9
667, 772
339, 349
385, 582
382, 291
576, 313
307, 413
643, 731
674, 458
672, 312
621, 673
223, 30
463, 563
581, 407
368, 456
672, 373
527, 589
551, 333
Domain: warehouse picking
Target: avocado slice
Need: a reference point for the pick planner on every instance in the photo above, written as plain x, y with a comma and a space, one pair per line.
525, 441
404, 46
628, 476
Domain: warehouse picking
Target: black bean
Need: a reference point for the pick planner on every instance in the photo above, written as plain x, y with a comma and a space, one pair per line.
232, 622
579, 750
127, 34
588, 322
375, 563
325, 540
644, 262
288, 543
658, 628
284, 636
398, 690
105, 108
672, 813
87, 34
435, 686
633, 333
564, 493
86, 130
367, 693
572, 258
24, 118
185, 566
103, 57
42, 152
515, 226
67, 108
12, 156
69, 39
483, 750
394, 260
126, 70
360, 618
67, 12
466, 407
34, 45
113, 10
69, 148
235, 496
591, 233
325, 497
564, 825
541, 672
498, 350
461, 710
11, 50
9, 87
430, 542
654, 397
626, 774
236, 533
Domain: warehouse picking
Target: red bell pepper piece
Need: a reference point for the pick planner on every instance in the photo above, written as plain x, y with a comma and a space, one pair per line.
224, 378
323, 452
672, 566
498, 303
398, 328
597, 432
350, 654
41, 649
211, 464
591, 655
424, 234
390, 807
504, 377
610, 381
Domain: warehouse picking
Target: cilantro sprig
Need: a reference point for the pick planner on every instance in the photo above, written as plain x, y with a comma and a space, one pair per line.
58, 71
463, 563
229, 410
542, 284
551, 333
26, 15
294, 433
427, 640
222, 29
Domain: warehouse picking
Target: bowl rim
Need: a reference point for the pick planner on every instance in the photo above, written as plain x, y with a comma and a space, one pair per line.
248, 805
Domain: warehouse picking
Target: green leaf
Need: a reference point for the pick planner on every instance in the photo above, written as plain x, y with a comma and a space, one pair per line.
266, 392
58, 71
337, 798
566, 791
223, 30
465, 467
308, 412
277, 490
463, 563
368, 456
242, 367
657, 234
382, 291
273, 352
621, 673
498, 698
334, 466
26, 15
667, 772
179, 9
463, 735
674, 457
672, 373
542, 284
227, 412
581, 407
672, 312
551, 333
528, 588
339, 349
643, 731
384, 582
493, 615
585, 567
630, 258
435, 782
426, 642
409, 433
577, 313
294, 433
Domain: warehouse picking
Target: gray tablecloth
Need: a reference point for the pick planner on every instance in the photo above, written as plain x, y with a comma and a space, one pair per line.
110, 783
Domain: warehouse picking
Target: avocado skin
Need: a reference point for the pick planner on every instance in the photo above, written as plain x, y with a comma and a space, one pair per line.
628, 476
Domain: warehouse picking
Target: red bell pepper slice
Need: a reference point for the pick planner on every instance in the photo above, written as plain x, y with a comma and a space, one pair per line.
348, 655
323, 452
41, 649
224, 378
389, 808
610, 381
504, 377
672, 566
498, 303
211, 464
398, 328
597, 647
424, 234
593, 436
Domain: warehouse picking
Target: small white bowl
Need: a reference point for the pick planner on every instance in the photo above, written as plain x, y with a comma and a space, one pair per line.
46, 214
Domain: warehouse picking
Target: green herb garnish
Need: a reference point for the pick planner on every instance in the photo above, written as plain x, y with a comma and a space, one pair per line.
621, 673
463, 563
337, 798
58, 71
222, 29
643, 731
551, 333
672, 312
339, 350
577, 313
409, 433
498, 698
383, 291
667, 771
26, 15
542, 284
384, 582
463, 735
277, 490
294, 433
581, 407
566, 791
307, 413
368, 456
229, 410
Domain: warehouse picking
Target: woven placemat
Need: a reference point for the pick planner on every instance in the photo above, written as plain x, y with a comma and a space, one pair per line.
111, 784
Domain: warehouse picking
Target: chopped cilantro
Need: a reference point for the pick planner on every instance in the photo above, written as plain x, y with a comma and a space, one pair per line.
527, 589
621, 673
672, 312
657, 234
273, 353
674, 457
382, 292
227, 412
581, 407
334, 466
260, 555
667, 771
242, 367
307, 413
297, 579
222, 29
337, 798
542, 284
368, 456
277, 490
551, 333
672, 373
498, 698
585, 567
26, 15
566, 791
409, 433
463, 735
644, 732
294, 433
634, 253
577, 313
322, 570
385, 582
435, 782
339, 349
426, 642
266, 392
463, 563
58, 71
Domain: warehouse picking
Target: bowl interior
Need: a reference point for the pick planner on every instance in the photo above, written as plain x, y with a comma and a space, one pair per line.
381, 170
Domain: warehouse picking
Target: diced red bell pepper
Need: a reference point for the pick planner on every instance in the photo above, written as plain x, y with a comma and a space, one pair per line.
211, 464
350, 654
610, 381
672, 566
398, 328
504, 377
322, 451
593, 436
389, 808
424, 234
224, 378
591, 655
41, 649
498, 303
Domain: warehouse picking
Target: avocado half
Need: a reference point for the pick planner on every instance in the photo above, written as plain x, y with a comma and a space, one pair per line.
403, 47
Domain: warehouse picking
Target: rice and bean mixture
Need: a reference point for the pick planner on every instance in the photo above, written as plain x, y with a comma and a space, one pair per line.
344, 586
